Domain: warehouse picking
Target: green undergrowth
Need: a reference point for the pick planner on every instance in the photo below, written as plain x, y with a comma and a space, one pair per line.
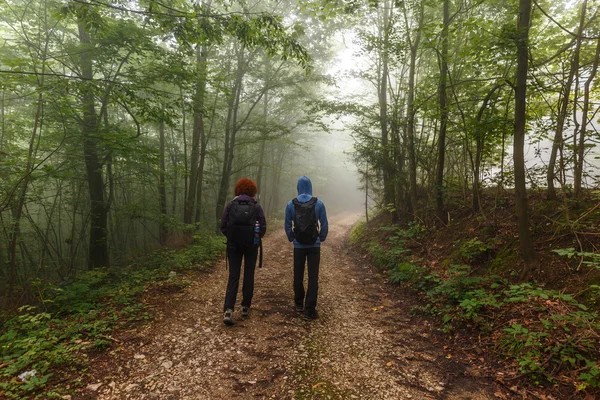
76, 318
542, 333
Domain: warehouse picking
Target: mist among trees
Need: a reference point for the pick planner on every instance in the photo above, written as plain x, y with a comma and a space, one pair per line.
124, 125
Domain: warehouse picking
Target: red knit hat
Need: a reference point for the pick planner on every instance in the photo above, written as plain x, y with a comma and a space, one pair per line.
245, 186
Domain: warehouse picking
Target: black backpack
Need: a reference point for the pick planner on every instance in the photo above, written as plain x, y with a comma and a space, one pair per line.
306, 229
240, 224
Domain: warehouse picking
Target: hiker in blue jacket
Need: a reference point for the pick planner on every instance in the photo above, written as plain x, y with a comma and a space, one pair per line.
306, 225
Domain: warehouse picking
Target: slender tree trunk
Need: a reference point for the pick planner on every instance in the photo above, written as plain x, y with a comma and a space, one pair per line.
367, 192
388, 187
98, 245
199, 125
18, 209
439, 181
277, 179
586, 104
397, 157
503, 151
185, 150
479, 147
525, 239
175, 162
230, 133
162, 191
197, 135
411, 111
563, 110
263, 132
2, 122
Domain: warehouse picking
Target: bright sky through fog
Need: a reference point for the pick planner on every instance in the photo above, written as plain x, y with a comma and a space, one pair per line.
347, 64
351, 88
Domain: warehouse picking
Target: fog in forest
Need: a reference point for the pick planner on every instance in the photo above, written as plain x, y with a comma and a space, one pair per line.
124, 129
325, 159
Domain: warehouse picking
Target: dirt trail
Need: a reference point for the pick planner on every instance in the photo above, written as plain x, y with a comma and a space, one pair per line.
366, 344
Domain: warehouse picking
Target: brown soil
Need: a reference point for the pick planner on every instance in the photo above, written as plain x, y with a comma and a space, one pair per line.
365, 345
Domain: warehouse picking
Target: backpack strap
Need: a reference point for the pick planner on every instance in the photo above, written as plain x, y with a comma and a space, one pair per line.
296, 202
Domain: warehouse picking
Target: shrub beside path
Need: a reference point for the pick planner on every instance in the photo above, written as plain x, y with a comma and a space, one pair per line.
365, 345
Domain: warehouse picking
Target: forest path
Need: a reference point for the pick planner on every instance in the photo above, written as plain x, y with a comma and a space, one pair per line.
365, 345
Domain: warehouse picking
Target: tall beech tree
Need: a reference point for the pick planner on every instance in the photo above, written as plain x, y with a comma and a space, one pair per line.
525, 239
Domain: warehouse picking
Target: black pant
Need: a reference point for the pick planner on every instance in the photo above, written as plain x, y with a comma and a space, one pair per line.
312, 255
235, 256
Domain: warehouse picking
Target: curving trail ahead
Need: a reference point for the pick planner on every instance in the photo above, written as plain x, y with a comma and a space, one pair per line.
366, 344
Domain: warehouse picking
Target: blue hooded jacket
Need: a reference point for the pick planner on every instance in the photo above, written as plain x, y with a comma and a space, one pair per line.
304, 195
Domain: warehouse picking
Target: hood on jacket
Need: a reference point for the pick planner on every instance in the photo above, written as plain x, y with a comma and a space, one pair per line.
304, 187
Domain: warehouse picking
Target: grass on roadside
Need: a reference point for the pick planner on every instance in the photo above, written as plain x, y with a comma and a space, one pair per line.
544, 334
52, 341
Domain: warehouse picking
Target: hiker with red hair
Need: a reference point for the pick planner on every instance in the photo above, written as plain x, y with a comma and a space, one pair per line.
244, 224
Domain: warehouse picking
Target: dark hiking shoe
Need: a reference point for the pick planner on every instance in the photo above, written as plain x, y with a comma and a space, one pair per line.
227, 320
311, 315
245, 311
299, 308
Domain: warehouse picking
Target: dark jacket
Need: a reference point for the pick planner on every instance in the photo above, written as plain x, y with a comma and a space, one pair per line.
260, 214
304, 195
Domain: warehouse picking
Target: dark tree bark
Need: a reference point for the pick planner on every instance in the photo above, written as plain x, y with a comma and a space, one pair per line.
18, 209
577, 183
479, 147
525, 239
263, 133
175, 162
199, 126
197, 135
2, 120
388, 187
411, 111
185, 150
98, 245
162, 191
563, 109
230, 134
439, 179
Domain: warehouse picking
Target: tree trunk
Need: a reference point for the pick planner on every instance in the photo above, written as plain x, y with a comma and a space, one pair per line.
563, 110
367, 192
185, 150
199, 126
175, 163
98, 245
230, 133
577, 184
162, 192
439, 181
18, 209
2, 122
397, 158
388, 187
525, 239
410, 129
479, 147
263, 133
197, 135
